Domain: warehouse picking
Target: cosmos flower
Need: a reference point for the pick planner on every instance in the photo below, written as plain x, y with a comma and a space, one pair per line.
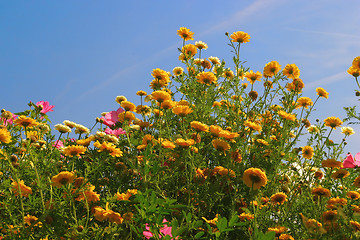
111, 118
46, 107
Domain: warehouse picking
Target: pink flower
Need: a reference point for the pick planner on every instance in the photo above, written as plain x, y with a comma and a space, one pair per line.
115, 132
349, 161
58, 144
164, 230
112, 117
46, 107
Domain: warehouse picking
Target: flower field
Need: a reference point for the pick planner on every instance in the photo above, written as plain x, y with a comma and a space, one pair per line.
215, 151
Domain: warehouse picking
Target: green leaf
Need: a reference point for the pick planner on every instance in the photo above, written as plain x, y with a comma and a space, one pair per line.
199, 235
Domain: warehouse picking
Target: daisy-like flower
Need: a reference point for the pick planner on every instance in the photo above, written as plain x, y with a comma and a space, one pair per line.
278, 198
80, 129
304, 102
128, 116
201, 45
331, 163
271, 69
119, 99
329, 216
220, 145
45, 106
340, 174
189, 50
228, 74
62, 179
62, 128
252, 76
185, 143
356, 63
240, 37
160, 96
321, 192
125, 196
333, 122
286, 116
141, 93
247, 216
255, 178
313, 129
285, 236
214, 60
28, 219
355, 225
278, 229
178, 71
128, 106
357, 182
215, 130
336, 202
355, 72
291, 71
322, 93
312, 225
354, 195
206, 78
24, 190
74, 150
223, 171
181, 110
347, 131
185, 34
167, 104
5, 136
24, 122
200, 127
160, 75
167, 144
296, 85
253, 126
109, 148
307, 152
87, 193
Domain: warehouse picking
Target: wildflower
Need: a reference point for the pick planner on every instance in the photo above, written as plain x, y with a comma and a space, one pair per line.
354, 195
322, 93
285, 237
278, 198
128, 116
120, 99
24, 190
109, 148
228, 74
5, 136
304, 102
189, 50
291, 71
164, 231
286, 116
355, 225
308, 152
161, 96
278, 230
62, 128
254, 178
62, 178
45, 106
185, 143
74, 150
160, 75
331, 163
167, 144
247, 216
126, 196
321, 192
357, 182
185, 34
24, 122
214, 60
200, 127
80, 129
68, 123
223, 171
220, 145
253, 95
296, 85
329, 216
355, 72
128, 106
313, 129
29, 220
333, 122
178, 71
253, 125
216, 131
182, 110
347, 131
312, 225
340, 174
252, 76
201, 45
271, 69
356, 63
213, 221
240, 37
116, 132
141, 93
206, 78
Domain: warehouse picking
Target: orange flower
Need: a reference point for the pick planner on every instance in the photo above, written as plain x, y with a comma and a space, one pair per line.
24, 122
200, 127
291, 71
220, 145
271, 69
240, 37
74, 150
185, 34
24, 190
252, 76
160, 96
254, 178
333, 122
206, 78
181, 110
63, 178
322, 93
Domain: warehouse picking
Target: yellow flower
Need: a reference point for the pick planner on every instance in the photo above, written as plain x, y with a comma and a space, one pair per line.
185, 143
254, 178
304, 102
128, 116
220, 145
252, 76
329, 216
355, 72
62, 128
181, 110
62, 178
214, 60
357, 182
253, 125
79, 129
206, 78
212, 221
347, 131
354, 195
201, 45
24, 122
312, 225
291, 71
74, 150
185, 34
340, 174
356, 63
108, 147
320, 192
308, 152
271, 69
278, 198
128, 106
24, 190
160, 96
28, 219
200, 127
296, 85
228, 74
216, 130
189, 50
178, 71
141, 93
331, 163
355, 225
240, 37
333, 122
5, 136
160, 75
287, 116
322, 92
119, 99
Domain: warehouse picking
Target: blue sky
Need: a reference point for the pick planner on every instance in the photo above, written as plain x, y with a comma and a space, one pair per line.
80, 55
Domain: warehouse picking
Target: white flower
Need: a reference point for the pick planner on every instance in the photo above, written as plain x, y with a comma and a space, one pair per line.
347, 131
